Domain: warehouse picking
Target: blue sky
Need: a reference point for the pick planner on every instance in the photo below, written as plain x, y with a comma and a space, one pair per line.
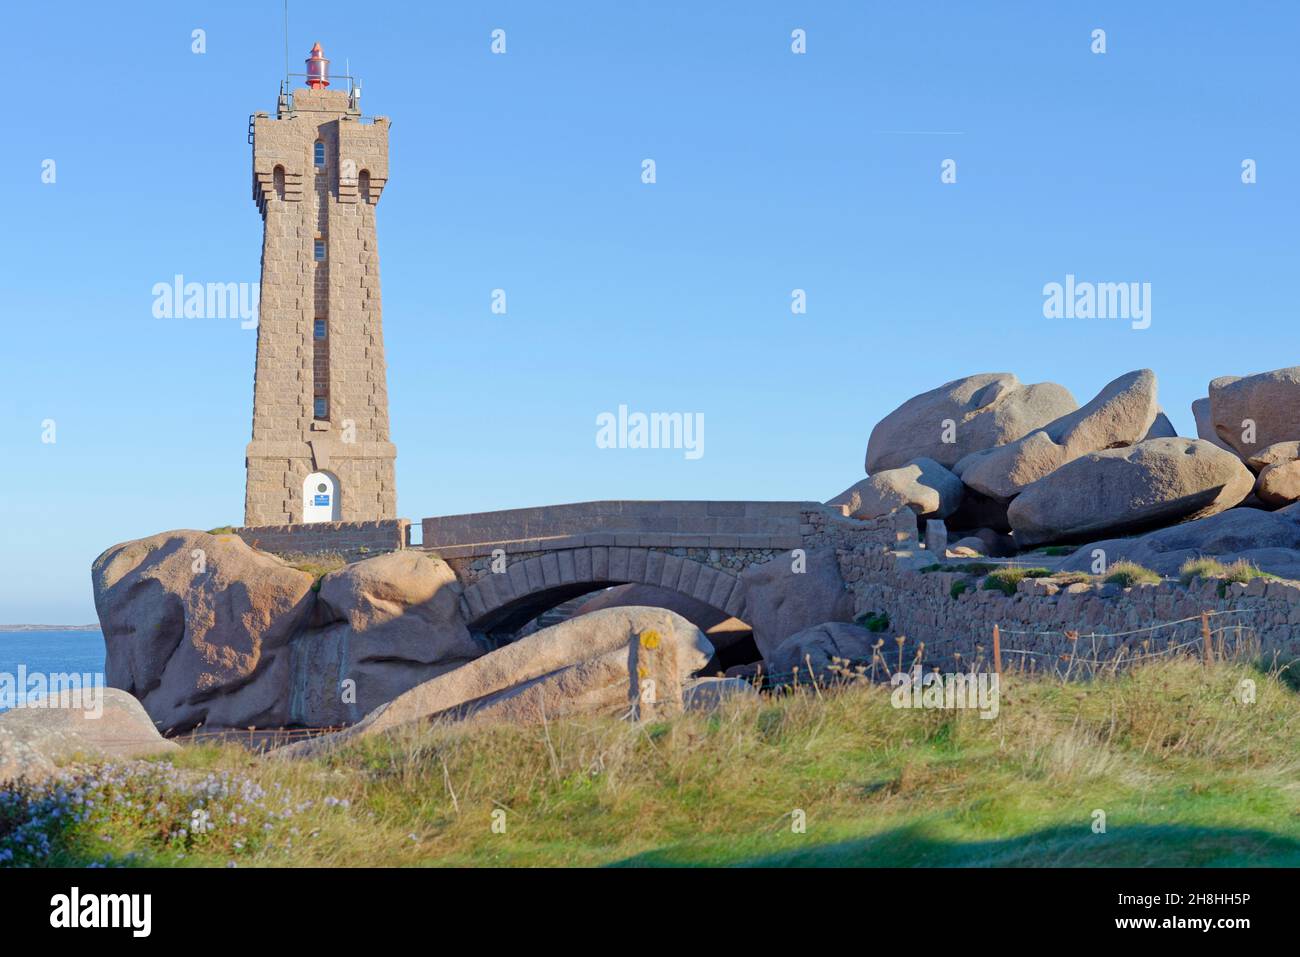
775, 171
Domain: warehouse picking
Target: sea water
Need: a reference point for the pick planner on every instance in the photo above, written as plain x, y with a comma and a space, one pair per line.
73, 653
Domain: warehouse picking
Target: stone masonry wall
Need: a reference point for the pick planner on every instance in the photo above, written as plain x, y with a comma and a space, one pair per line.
733, 561
657, 524
1110, 620
353, 540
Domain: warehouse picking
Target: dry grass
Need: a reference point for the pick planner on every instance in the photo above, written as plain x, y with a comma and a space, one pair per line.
1073, 578
316, 564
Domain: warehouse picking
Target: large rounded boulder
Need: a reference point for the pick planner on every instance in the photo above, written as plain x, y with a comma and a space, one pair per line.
1153, 483
1279, 484
615, 661
1205, 424
1268, 540
923, 485
1121, 414
189, 618
404, 605
1250, 413
790, 593
209, 632
826, 650
20, 761
394, 622
91, 723
1277, 454
963, 416
722, 630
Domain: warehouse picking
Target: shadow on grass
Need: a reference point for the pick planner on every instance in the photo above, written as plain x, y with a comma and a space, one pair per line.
1144, 845
1286, 672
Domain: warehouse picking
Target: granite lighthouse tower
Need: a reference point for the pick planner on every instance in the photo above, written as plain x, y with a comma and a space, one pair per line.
320, 449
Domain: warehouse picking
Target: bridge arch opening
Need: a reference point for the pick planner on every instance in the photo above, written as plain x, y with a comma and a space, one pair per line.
732, 638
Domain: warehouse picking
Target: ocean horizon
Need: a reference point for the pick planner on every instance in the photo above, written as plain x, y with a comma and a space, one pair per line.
53, 652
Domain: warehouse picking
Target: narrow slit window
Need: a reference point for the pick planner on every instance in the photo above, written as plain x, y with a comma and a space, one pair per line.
320, 155
322, 408
320, 250
318, 330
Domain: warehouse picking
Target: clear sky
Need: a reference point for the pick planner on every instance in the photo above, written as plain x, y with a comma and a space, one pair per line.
522, 171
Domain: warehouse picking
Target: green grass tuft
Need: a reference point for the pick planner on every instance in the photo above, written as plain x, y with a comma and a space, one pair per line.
1129, 574
873, 621
1203, 567
1207, 567
1243, 571
1006, 579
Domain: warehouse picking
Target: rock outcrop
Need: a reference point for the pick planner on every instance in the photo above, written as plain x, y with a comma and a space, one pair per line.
1276, 454
986, 542
401, 605
19, 761
1205, 427
984, 410
1250, 413
783, 597
591, 664
923, 485
1278, 468
205, 630
708, 694
1160, 481
812, 652
190, 619
994, 543
979, 511
1268, 540
969, 547
721, 629
1120, 415
93, 724
1279, 484
395, 623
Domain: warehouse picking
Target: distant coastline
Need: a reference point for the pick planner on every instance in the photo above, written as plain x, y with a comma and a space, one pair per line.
94, 627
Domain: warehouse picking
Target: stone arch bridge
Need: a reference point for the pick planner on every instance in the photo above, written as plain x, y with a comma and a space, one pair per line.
515, 564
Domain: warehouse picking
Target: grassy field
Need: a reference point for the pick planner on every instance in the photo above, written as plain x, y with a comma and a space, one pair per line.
1185, 773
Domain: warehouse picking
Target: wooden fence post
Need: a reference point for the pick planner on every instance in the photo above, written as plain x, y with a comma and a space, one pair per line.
1207, 644
997, 652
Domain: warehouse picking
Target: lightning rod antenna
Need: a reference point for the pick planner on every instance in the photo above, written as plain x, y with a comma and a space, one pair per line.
286, 39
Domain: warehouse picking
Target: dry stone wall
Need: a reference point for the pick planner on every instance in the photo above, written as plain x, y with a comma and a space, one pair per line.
883, 570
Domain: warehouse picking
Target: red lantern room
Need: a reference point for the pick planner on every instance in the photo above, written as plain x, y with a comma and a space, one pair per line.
318, 69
